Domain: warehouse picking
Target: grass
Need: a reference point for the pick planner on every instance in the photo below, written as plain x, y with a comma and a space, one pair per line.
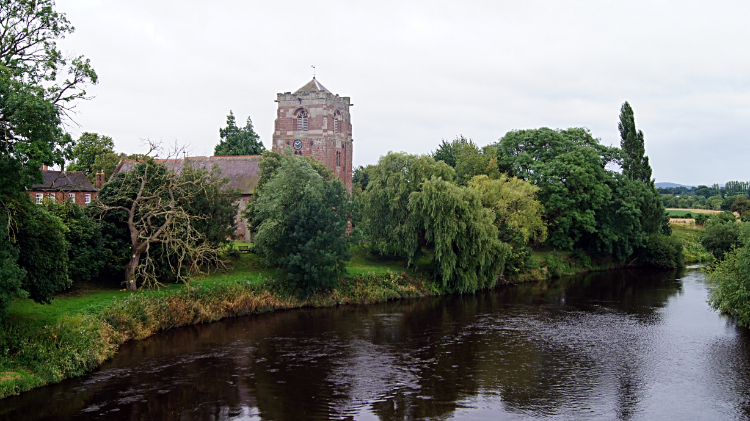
691, 236
681, 212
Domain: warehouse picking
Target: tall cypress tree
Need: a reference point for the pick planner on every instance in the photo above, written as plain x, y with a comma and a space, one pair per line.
635, 164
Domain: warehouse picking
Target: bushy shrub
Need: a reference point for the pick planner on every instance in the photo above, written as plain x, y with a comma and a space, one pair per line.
701, 218
720, 238
731, 281
663, 251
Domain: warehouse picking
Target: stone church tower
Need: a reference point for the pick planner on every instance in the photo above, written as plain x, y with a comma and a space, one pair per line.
314, 122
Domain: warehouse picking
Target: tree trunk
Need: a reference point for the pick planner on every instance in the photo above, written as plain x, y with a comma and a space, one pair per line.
130, 272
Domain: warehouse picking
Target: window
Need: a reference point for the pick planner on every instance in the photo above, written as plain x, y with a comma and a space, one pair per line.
39, 198
51, 197
301, 121
87, 198
72, 197
336, 118
338, 158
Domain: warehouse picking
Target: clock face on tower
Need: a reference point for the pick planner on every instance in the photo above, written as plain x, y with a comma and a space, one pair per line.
297, 144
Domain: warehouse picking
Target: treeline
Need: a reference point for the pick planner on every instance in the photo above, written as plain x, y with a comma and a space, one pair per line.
704, 197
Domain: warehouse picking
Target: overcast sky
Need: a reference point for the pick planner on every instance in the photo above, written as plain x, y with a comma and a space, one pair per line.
422, 71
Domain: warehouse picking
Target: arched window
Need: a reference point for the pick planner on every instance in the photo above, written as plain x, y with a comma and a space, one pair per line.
338, 158
336, 118
301, 120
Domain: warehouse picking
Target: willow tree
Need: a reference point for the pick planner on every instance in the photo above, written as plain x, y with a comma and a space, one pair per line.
518, 213
412, 206
165, 227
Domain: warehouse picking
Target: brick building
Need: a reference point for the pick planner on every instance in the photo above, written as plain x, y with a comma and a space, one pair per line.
65, 185
314, 122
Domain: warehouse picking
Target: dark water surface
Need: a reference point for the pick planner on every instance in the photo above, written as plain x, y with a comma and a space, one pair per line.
629, 345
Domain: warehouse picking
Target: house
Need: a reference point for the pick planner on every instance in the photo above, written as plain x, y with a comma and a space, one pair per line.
242, 171
65, 185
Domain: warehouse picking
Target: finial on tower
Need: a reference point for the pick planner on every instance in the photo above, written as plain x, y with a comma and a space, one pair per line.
313, 71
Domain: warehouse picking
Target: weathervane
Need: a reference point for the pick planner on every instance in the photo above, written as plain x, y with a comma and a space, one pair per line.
313, 71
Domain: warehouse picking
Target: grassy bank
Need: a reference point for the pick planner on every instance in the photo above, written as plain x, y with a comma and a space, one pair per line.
43, 344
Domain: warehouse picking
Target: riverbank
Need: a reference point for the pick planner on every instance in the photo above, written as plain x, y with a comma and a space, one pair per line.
45, 344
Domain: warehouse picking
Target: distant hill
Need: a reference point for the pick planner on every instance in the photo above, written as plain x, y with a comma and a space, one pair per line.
667, 184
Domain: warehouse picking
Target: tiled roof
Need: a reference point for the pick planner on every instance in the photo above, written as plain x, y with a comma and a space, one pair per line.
242, 171
312, 86
64, 181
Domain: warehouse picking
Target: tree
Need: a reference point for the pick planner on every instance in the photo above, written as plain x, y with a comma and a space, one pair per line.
448, 151
635, 164
155, 204
87, 149
87, 254
238, 140
386, 201
741, 205
730, 281
412, 206
721, 237
302, 220
518, 215
586, 205
107, 162
451, 222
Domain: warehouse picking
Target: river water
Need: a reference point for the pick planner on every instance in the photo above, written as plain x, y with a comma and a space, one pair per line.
625, 345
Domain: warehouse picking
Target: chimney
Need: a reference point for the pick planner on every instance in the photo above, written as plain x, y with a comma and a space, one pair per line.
99, 179
43, 168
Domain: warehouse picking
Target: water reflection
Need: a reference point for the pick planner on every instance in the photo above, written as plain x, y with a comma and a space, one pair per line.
625, 345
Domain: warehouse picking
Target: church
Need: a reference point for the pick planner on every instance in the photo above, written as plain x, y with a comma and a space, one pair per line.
312, 121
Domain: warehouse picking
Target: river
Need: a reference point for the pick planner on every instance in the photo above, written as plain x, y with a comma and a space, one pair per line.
625, 345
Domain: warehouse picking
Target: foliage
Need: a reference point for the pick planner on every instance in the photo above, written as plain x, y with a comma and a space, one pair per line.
412, 206
448, 151
635, 164
86, 256
386, 201
741, 205
663, 251
107, 162
721, 237
518, 215
731, 281
586, 206
451, 221
701, 218
238, 140
43, 253
361, 178
302, 220
11, 275
87, 149
169, 217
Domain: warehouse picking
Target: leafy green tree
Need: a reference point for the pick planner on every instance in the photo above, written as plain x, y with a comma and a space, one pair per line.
302, 220
471, 161
238, 140
87, 149
11, 275
448, 151
43, 253
86, 255
107, 162
720, 238
635, 164
386, 201
361, 178
518, 215
741, 205
451, 222
586, 206
411, 206
38, 86
715, 202
731, 281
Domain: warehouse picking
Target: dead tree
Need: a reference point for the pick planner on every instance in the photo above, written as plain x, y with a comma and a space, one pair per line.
155, 200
